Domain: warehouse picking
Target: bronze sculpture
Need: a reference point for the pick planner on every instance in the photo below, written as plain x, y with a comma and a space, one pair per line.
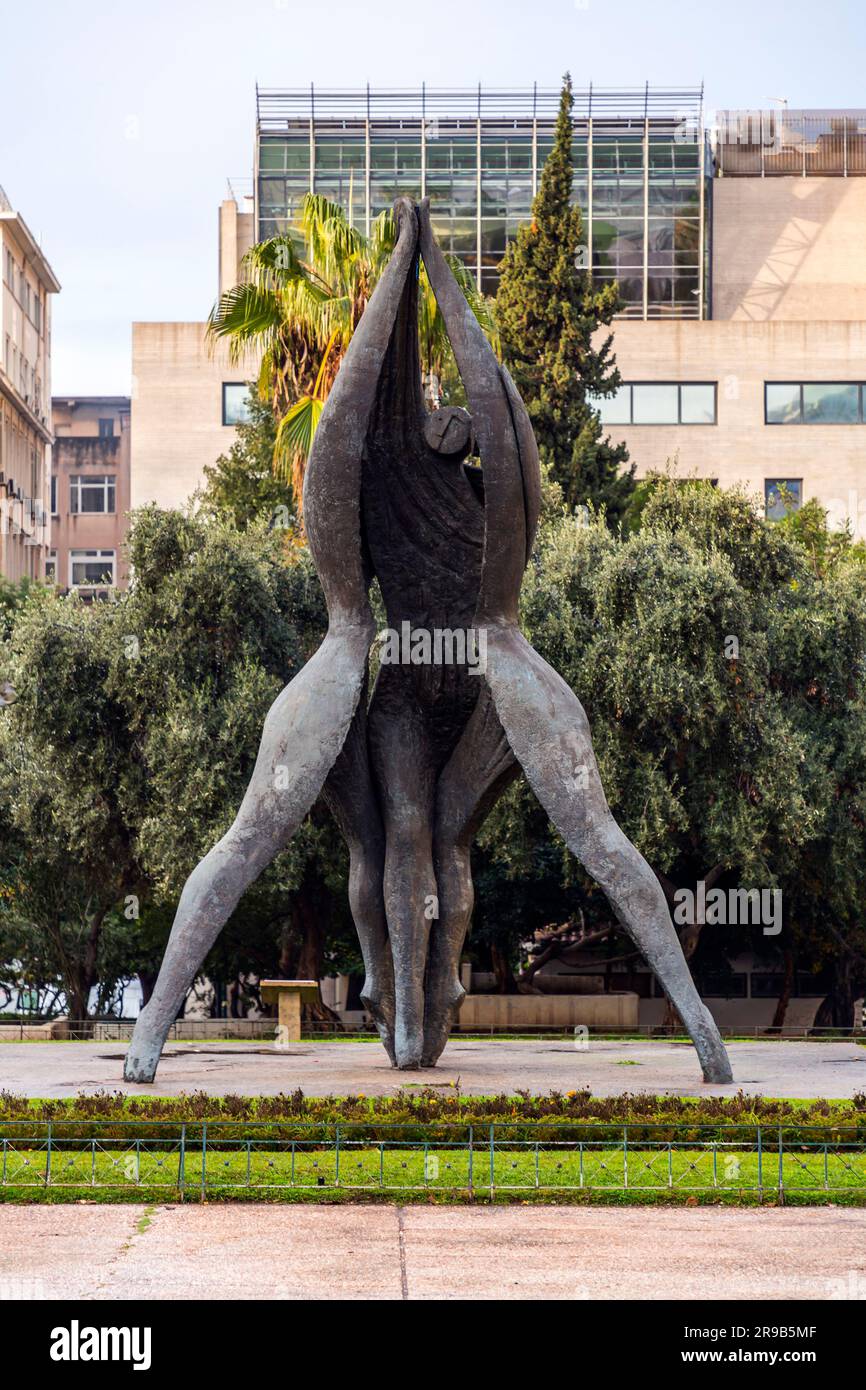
411, 773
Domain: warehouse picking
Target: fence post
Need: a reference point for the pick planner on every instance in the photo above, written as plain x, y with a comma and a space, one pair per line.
182, 1167
760, 1166
625, 1155
492, 1180
781, 1172
203, 1155
48, 1161
337, 1158
471, 1147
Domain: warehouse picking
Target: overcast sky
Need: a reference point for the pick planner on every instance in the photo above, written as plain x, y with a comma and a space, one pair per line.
122, 121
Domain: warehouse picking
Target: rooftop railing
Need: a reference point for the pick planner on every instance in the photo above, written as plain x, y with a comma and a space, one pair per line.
276, 108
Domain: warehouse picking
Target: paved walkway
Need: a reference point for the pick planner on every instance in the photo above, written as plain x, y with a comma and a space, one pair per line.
832, 1069
413, 1252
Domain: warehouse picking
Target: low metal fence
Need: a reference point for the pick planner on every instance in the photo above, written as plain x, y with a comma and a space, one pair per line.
221, 1158
264, 1030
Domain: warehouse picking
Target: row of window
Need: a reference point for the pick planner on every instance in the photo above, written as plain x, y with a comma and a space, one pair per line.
27, 296
660, 403
88, 493
694, 403
23, 375
87, 568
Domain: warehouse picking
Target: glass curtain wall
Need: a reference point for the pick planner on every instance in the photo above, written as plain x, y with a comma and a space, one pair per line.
641, 183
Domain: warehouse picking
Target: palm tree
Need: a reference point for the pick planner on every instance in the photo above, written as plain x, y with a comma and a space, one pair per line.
300, 301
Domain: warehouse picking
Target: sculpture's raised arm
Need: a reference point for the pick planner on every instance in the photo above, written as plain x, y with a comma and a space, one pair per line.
332, 486
505, 440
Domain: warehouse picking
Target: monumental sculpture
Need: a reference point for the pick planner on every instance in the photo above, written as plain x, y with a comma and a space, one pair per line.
411, 768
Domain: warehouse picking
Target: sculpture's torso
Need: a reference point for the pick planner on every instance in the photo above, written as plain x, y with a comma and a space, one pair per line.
424, 528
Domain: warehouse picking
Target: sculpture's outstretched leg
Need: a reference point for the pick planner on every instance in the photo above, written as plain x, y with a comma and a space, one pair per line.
477, 773
352, 799
406, 778
549, 733
304, 731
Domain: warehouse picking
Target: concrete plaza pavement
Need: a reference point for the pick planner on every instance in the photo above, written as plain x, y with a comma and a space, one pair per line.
246, 1251
490, 1066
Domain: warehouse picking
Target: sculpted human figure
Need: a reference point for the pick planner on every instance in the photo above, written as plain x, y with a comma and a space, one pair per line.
411, 771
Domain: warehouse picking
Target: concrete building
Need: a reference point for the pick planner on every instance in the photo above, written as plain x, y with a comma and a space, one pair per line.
769, 390
26, 284
187, 396
90, 493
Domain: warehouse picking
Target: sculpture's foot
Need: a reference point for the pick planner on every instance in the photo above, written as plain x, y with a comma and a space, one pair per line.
144, 1052
141, 1063
443, 1006
714, 1059
408, 1048
379, 1004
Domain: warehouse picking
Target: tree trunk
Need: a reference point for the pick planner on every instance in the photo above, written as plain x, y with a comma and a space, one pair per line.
304, 945
147, 979
505, 981
787, 989
837, 1009
690, 934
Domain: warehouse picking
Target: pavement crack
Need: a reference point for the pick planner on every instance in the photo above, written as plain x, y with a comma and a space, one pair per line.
401, 1242
143, 1220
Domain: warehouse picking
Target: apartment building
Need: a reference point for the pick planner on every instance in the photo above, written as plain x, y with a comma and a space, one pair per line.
90, 493
26, 285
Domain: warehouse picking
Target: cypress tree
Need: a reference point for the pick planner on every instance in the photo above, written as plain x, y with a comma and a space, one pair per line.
548, 314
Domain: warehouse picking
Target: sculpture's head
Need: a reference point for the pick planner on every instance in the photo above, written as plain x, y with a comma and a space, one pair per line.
448, 432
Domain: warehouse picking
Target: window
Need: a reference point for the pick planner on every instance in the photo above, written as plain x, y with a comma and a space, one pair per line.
91, 493
654, 405
722, 984
236, 409
106, 429
91, 567
51, 567
813, 403
54, 494
781, 496
659, 403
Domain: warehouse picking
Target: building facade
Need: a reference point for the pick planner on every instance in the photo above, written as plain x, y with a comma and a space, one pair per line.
26, 285
768, 390
90, 493
187, 396
738, 250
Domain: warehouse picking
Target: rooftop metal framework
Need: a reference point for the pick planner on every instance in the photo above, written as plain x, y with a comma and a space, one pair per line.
278, 107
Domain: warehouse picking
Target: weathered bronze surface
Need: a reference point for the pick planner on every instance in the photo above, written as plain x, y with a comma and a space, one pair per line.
411, 772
